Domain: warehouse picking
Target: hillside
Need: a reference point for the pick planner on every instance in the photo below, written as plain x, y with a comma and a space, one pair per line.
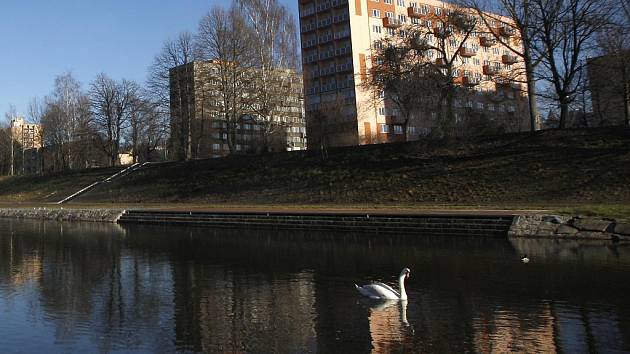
51, 187
570, 167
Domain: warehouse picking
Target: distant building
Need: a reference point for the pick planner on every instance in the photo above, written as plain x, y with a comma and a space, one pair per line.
27, 140
609, 82
194, 97
25, 134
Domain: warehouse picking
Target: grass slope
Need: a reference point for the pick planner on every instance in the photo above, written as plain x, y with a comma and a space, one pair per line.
50, 188
548, 169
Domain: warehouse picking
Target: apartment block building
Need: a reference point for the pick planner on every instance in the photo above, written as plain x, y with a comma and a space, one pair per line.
609, 82
195, 99
27, 135
339, 38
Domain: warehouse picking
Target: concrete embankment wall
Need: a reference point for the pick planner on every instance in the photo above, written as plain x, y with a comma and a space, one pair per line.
570, 228
62, 214
523, 226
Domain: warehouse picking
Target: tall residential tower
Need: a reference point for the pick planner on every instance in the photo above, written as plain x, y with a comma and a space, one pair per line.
338, 38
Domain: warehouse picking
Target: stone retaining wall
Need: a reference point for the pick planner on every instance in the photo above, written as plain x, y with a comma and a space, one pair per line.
61, 214
576, 227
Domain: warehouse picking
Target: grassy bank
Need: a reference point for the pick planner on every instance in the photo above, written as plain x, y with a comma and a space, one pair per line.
574, 170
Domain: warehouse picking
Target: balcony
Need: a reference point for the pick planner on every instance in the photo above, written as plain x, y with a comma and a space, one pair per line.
467, 52
326, 54
343, 50
416, 12
441, 62
341, 18
487, 41
309, 27
324, 22
506, 31
490, 70
344, 67
309, 43
323, 6
325, 38
391, 22
336, 3
307, 12
342, 34
470, 81
327, 71
509, 59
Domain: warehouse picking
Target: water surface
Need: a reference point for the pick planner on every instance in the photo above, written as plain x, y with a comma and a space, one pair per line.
88, 287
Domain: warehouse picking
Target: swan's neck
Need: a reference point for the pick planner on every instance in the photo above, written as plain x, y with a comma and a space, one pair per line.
401, 283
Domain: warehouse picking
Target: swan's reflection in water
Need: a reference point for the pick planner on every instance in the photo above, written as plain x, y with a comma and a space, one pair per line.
389, 328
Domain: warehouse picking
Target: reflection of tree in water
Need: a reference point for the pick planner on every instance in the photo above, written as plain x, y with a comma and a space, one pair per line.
88, 286
222, 308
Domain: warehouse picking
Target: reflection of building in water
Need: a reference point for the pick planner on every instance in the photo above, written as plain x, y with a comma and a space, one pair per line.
507, 332
221, 311
389, 327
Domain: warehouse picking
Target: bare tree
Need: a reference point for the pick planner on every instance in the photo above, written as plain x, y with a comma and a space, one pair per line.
567, 31
404, 75
225, 38
426, 58
275, 59
522, 22
113, 103
174, 53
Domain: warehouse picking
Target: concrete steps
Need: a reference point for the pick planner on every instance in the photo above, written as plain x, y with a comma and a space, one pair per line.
448, 225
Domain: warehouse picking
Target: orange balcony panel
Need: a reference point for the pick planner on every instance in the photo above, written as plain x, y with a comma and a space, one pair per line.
506, 31
509, 59
490, 70
391, 22
467, 52
416, 12
440, 62
487, 42
470, 81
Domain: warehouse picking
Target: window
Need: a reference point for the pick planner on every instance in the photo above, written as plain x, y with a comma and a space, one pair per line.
376, 13
402, 18
389, 14
398, 129
384, 128
387, 1
438, 11
381, 111
400, 2
216, 147
376, 29
390, 31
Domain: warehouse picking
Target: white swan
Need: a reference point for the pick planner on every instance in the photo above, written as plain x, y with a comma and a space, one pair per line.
379, 290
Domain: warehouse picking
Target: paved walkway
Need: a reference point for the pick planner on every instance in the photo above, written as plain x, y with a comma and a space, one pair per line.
315, 209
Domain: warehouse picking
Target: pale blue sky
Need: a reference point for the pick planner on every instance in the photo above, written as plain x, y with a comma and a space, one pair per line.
40, 39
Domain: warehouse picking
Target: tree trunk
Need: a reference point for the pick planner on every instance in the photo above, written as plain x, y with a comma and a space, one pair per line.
531, 92
626, 93
564, 114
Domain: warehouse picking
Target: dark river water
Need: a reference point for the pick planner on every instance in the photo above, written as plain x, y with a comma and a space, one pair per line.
87, 287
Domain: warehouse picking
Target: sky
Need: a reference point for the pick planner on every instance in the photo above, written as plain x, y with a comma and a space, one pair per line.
40, 39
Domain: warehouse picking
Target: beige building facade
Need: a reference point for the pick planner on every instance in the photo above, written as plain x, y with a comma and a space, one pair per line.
338, 41
26, 134
195, 99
